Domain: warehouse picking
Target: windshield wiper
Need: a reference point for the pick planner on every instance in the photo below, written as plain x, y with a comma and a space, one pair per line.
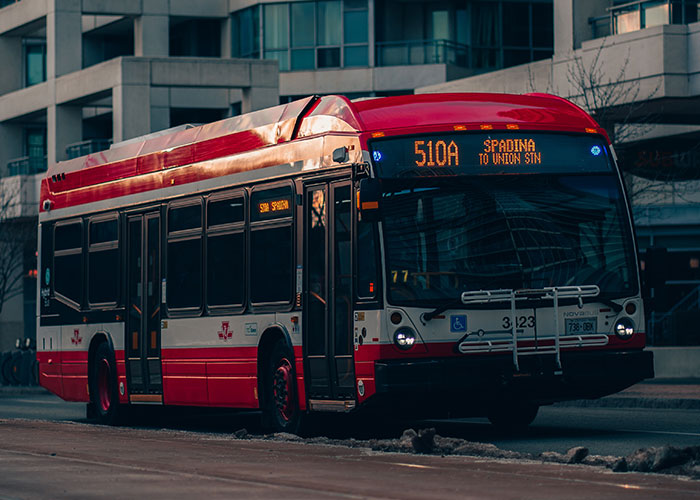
441, 309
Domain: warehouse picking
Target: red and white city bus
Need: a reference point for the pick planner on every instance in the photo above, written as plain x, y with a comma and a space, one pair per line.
444, 254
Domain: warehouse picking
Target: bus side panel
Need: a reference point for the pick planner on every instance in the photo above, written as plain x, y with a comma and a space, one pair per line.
232, 381
121, 376
184, 378
299, 365
75, 376
49, 358
367, 326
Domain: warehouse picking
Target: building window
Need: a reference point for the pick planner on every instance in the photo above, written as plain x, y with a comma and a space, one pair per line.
246, 33
355, 33
306, 35
195, 38
34, 61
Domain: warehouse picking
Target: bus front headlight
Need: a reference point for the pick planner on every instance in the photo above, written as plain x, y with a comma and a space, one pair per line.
404, 338
624, 328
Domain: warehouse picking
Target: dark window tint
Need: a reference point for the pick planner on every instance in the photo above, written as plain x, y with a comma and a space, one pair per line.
225, 269
227, 211
68, 236
184, 274
103, 276
543, 19
182, 218
329, 57
68, 276
271, 203
516, 24
103, 232
271, 264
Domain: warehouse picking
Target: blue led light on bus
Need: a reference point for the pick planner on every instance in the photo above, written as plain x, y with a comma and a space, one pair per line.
595, 150
377, 155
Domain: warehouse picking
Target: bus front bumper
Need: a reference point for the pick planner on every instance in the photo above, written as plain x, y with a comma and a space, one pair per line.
467, 382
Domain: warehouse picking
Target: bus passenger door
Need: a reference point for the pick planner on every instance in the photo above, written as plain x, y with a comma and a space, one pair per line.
328, 292
143, 317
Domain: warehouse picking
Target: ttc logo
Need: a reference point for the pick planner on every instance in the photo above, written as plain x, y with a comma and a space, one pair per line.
76, 339
225, 334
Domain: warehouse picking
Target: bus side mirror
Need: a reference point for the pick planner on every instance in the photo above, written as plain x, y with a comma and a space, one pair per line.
370, 195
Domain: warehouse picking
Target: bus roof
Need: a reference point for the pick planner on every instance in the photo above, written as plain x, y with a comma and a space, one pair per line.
314, 116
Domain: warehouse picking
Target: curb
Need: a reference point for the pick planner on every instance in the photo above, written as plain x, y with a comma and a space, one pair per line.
628, 402
22, 389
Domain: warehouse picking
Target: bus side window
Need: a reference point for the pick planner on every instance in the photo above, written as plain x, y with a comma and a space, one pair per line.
271, 245
184, 268
366, 261
103, 262
225, 249
68, 261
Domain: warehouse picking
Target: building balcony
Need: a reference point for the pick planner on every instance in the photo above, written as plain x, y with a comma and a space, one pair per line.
83, 148
26, 165
640, 14
409, 52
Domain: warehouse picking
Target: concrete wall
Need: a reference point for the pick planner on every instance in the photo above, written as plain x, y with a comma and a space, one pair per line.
676, 362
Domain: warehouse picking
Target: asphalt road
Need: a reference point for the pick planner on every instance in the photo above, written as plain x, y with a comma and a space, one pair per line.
604, 431
40, 459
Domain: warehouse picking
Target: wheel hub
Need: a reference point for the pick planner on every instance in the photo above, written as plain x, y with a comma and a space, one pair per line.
281, 389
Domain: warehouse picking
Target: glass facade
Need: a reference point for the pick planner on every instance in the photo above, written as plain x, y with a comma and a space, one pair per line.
34, 61
625, 16
305, 35
476, 34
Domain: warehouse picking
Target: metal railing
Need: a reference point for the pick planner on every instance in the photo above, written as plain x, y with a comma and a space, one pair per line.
555, 294
408, 52
663, 327
640, 14
26, 165
78, 149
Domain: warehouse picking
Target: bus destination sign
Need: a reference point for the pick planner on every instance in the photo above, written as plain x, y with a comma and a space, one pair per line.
494, 153
266, 207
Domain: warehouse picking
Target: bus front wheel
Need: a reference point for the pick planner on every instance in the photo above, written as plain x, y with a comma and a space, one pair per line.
104, 395
281, 411
513, 414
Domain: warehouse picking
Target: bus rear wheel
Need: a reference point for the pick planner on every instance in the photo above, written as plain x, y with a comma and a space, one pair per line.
281, 411
104, 395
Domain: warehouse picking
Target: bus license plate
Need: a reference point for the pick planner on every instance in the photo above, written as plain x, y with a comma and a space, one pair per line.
581, 326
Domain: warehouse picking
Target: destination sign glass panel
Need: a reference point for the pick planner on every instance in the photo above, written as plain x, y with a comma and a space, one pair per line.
489, 153
271, 203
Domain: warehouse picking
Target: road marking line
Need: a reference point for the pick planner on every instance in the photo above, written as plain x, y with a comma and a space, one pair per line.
695, 434
415, 466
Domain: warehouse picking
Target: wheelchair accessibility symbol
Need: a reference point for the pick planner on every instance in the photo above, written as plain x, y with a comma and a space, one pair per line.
458, 323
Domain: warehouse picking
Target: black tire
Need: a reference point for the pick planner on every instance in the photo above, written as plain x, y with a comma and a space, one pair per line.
281, 411
104, 394
513, 414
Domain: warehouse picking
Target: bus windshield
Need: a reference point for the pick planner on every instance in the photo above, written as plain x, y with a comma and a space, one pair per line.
443, 237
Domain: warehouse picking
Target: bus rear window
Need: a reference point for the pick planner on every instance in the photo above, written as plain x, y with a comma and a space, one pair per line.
453, 154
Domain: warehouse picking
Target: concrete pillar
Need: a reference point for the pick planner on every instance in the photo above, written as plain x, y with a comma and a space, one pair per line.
571, 26
563, 27
11, 57
11, 145
151, 35
255, 98
64, 34
226, 40
64, 127
131, 115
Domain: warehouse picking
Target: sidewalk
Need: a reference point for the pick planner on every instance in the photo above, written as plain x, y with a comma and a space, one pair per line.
681, 394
